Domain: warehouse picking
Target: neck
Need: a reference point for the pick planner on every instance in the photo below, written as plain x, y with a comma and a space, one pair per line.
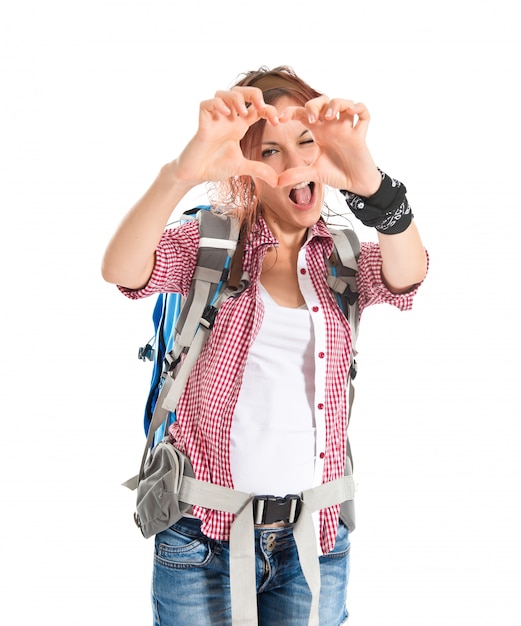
288, 237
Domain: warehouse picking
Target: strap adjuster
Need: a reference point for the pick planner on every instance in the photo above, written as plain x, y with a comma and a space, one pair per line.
208, 316
271, 509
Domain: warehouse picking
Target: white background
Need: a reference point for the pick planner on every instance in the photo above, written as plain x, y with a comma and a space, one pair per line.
96, 97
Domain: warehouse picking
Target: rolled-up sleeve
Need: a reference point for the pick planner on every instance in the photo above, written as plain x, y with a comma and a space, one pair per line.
370, 284
176, 256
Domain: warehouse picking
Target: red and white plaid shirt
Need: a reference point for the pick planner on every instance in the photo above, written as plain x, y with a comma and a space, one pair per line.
206, 407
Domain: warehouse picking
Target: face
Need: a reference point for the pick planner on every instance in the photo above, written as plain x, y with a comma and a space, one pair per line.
283, 147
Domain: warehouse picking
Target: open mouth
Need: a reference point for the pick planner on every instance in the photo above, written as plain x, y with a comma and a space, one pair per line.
302, 194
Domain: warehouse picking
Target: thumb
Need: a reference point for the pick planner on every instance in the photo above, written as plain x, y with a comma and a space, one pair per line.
262, 171
297, 175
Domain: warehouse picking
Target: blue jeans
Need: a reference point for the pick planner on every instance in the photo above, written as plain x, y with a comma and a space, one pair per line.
191, 583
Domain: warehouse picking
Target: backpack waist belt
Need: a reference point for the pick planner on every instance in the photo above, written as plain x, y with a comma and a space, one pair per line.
246, 507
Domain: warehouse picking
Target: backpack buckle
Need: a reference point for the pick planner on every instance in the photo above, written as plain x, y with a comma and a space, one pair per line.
271, 509
208, 316
350, 295
170, 362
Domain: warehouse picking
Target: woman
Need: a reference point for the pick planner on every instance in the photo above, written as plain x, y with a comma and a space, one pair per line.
264, 410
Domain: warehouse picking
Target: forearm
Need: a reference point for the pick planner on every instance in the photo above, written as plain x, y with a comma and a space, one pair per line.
404, 260
130, 256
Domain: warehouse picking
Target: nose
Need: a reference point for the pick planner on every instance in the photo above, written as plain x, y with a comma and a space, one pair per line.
294, 158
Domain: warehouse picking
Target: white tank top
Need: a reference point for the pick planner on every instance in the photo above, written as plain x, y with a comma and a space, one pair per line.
273, 429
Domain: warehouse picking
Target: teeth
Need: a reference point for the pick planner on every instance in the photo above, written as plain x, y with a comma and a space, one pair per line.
301, 185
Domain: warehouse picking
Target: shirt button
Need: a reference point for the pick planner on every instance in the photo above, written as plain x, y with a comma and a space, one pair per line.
320, 406
315, 309
302, 270
321, 355
322, 455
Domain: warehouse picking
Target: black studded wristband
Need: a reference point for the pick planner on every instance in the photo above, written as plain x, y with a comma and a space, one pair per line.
387, 210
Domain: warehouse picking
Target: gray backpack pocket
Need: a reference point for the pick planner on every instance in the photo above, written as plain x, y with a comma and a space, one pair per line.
158, 505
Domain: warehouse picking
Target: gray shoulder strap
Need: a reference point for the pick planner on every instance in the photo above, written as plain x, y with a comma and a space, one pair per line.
347, 245
342, 268
218, 236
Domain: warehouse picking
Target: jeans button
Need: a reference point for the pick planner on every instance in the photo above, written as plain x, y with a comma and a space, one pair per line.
271, 541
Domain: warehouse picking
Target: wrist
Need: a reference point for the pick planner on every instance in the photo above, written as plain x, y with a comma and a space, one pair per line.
371, 186
388, 192
387, 209
172, 175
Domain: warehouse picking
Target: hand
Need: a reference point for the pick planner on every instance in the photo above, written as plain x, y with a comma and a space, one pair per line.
214, 153
339, 128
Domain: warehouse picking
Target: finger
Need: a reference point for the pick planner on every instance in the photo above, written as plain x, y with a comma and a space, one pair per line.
216, 105
260, 170
323, 109
296, 175
244, 101
252, 95
234, 99
315, 108
361, 111
254, 99
242, 98
336, 107
269, 113
294, 113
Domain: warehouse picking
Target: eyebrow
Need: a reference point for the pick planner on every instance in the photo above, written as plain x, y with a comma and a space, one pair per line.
275, 143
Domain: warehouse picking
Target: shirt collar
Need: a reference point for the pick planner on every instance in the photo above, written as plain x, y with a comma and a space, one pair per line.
261, 235
320, 232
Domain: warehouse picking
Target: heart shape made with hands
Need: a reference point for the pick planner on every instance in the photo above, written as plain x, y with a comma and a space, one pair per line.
338, 128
